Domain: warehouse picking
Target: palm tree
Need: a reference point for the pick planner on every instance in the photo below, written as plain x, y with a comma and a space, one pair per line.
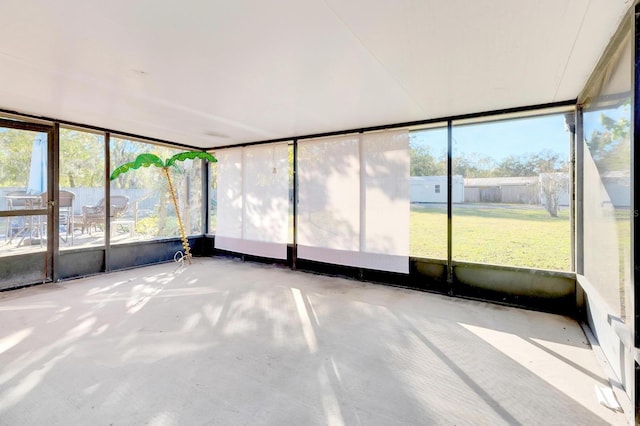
146, 160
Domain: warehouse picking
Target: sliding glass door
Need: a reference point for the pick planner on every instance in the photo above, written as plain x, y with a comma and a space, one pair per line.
26, 203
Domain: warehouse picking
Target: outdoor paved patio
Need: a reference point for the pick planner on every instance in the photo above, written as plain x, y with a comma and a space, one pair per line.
225, 342
19, 246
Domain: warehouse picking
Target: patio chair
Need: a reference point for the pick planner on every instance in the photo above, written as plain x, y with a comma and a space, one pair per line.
94, 215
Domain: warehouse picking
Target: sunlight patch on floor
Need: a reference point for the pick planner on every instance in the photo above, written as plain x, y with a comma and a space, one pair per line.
13, 339
552, 369
305, 321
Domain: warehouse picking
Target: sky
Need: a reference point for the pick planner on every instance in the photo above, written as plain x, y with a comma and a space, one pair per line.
500, 139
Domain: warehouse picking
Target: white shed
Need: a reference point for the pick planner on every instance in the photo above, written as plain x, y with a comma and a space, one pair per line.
433, 189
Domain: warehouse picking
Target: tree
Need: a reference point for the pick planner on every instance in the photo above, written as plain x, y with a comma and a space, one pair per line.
423, 163
473, 165
551, 169
610, 148
514, 165
81, 159
548, 161
15, 154
554, 179
552, 186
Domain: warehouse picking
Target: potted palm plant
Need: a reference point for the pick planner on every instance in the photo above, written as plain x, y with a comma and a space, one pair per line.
147, 160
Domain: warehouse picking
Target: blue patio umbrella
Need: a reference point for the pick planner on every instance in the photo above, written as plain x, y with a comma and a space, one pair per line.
38, 169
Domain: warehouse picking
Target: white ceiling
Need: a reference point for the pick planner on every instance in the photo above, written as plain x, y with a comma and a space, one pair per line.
208, 73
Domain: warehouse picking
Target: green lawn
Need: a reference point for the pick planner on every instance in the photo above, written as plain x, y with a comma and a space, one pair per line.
623, 225
500, 234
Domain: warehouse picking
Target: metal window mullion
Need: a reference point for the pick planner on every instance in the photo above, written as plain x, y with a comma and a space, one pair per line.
53, 191
635, 197
579, 192
294, 252
635, 184
204, 211
449, 205
363, 196
107, 204
570, 120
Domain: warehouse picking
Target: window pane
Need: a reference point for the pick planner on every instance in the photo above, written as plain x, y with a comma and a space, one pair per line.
354, 205
23, 165
23, 234
253, 207
607, 185
81, 187
23, 177
329, 204
213, 196
141, 205
428, 221
265, 186
187, 176
515, 209
230, 200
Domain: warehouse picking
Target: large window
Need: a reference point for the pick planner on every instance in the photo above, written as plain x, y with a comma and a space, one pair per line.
253, 200
141, 206
213, 197
81, 188
607, 184
354, 200
516, 205
428, 193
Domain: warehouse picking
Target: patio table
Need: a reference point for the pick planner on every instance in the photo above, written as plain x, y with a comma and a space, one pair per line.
33, 225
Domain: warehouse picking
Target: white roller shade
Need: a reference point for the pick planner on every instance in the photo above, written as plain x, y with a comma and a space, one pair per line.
253, 200
229, 164
385, 207
329, 188
354, 200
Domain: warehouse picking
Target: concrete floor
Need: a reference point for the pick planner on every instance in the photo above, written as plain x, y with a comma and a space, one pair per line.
232, 343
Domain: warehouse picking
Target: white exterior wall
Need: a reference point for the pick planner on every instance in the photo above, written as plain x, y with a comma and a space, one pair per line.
423, 189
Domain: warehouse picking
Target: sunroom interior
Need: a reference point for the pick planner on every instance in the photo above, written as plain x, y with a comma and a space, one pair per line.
482, 152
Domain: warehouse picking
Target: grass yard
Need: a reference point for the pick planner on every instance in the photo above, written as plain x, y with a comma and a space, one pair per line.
623, 225
500, 234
